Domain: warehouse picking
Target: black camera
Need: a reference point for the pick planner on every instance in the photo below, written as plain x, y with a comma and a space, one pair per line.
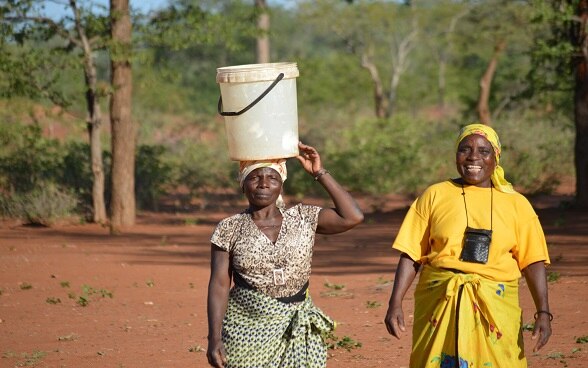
476, 245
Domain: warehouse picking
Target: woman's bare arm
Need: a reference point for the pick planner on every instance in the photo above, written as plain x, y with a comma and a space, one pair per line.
405, 275
218, 296
346, 213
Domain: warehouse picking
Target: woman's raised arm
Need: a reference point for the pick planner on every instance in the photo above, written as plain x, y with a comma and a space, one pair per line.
346, 213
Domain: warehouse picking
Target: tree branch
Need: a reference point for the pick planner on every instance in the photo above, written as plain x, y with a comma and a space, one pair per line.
47, 21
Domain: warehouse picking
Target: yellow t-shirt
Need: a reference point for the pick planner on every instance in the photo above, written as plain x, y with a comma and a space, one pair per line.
433, 229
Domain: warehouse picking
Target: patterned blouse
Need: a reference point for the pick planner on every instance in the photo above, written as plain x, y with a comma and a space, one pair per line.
280, 269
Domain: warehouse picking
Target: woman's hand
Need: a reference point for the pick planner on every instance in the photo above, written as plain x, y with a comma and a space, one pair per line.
309, 158
406, 272
537, 281
542, 330
217, 357
395, 321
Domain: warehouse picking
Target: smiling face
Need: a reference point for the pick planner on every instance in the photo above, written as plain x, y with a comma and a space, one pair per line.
475, 161
262, 187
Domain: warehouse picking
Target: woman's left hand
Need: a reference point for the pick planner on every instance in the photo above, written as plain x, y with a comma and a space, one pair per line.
536, 278
309, 158
542, 330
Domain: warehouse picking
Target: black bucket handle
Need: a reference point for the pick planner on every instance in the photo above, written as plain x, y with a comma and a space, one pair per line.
237, 113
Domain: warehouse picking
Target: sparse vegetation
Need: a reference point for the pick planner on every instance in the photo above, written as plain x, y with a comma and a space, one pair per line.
196, 349
53, 300
555, 355
87, 291
30, 359
553, 276
70, 337
346, 342
582, 340
25, 286
372, 304
332, 286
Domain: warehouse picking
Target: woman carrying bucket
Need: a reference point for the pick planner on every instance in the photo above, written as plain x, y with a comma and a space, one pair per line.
268, 319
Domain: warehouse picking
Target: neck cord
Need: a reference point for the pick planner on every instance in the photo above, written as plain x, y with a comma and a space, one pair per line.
466, 207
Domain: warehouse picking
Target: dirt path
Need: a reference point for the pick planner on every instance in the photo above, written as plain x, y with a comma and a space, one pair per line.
72, 296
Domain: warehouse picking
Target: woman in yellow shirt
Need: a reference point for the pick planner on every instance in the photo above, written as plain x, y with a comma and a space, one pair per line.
472, 237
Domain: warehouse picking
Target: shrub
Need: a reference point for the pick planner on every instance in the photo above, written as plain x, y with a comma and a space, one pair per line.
537, 152
205, 165
400, 155
28, 159
41, 206
152, 174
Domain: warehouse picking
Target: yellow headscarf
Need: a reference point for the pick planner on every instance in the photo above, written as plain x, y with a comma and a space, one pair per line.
498, 180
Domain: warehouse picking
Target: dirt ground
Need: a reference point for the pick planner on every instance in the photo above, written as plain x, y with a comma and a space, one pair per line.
73, 296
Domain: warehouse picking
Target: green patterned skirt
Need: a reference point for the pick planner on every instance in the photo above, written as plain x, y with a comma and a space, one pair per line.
260, 332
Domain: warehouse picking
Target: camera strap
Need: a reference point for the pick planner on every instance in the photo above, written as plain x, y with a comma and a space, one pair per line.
466, 207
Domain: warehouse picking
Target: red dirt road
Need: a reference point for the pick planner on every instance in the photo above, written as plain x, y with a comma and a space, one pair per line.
145, 292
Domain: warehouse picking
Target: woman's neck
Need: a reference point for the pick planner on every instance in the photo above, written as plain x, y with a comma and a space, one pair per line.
264, 213
460, 181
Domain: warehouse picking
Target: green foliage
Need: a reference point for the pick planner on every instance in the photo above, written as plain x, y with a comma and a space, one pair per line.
188, 23
330, 285
205, 166
88, 291
398, 155
177, 49
537, 152
333, 342
582, 340
40, 206
152, 174
553, 276
27, 158
372, 304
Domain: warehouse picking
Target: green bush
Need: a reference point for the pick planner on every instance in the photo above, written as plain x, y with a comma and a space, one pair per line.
76, 172
537, 152
28, 159
399, 155
205, 166
41, 206
406, 154
152, 175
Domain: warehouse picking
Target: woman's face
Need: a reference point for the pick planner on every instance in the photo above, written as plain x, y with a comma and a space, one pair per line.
262, 186
475, 160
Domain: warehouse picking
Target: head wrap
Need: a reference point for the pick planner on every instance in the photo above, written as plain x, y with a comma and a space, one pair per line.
246, 167
487, 132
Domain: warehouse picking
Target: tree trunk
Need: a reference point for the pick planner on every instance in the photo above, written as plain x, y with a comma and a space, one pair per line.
94, 130
379, 98
485, 84
263, 27
581, 108
93, 121
122, 204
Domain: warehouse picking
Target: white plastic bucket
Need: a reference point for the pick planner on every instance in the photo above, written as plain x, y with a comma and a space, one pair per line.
259, 105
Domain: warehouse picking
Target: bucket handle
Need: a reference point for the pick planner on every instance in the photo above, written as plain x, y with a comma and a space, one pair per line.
237, 113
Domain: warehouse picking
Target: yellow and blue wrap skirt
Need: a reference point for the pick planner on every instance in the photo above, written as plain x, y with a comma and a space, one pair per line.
260, 331
465, 320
